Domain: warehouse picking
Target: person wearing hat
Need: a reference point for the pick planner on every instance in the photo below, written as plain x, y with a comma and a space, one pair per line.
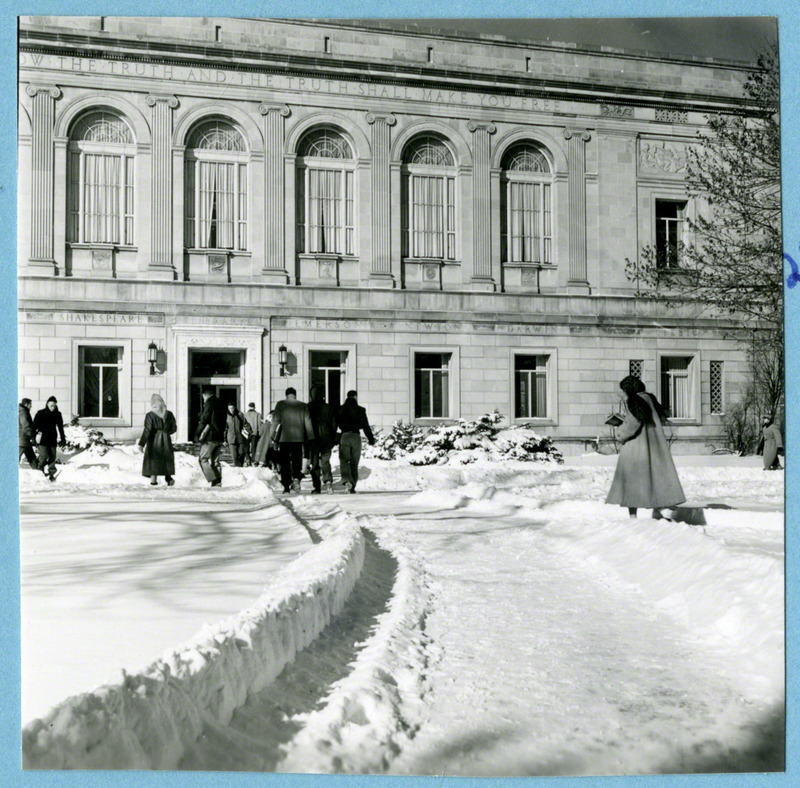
26, 433
48, 428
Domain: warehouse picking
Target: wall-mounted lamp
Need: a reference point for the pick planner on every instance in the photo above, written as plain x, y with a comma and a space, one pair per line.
152, 356
283, 358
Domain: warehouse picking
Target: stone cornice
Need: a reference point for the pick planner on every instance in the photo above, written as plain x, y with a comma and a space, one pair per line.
554, 88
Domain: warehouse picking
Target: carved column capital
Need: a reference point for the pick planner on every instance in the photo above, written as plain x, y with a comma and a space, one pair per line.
389, 119
52, 90
582, 134
482, 125
282, 109
156, 98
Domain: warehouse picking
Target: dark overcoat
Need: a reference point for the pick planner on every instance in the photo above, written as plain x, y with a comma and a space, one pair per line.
51, 425
159, 457
291, 422
25, 428
645, 477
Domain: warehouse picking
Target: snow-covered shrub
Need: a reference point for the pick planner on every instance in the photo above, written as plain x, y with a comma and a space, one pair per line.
522, 443
425, 455
399, 441
80, 437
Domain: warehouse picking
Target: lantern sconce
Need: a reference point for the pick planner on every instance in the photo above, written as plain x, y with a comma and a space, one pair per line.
152, 357
283, 358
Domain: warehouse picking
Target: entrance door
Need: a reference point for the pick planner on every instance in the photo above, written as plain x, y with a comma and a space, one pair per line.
221, 369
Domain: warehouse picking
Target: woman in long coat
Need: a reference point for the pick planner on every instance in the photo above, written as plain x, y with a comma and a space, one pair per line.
771, 441
159, 458
645, 475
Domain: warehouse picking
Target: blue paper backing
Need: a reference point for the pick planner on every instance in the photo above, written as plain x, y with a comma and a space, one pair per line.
789, 36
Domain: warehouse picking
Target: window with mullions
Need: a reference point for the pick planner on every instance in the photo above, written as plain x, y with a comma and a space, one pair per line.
428, 200
215, 195
677, 386
670, 216
325, 194
431, 385
100, 180
526, 231
328, 371
530, 383
98, 374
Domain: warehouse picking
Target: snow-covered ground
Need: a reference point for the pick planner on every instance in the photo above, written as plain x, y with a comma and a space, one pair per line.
489, 619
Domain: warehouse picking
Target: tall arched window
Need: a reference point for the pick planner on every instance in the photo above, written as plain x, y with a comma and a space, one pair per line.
526, 234
325, 194
100, 180
429, 199
215, 196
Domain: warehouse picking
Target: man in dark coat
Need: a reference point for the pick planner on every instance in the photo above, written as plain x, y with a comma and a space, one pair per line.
211, 435
323, 419
50, 425
292, 429
352, 419
26, 434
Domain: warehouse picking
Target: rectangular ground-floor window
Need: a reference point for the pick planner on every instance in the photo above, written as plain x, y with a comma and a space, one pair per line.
530, 387
432, 385
678, 386
328, 368
636, 368
99, 381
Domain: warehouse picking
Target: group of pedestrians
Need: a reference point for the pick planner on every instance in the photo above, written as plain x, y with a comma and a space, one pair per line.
306, 434
44, 432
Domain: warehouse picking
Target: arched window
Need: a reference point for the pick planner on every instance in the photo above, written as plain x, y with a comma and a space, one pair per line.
526, 233
429, 199
100, 180
325, 194
215, 181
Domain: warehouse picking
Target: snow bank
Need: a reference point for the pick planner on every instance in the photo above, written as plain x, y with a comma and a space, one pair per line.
146, 720
373, 713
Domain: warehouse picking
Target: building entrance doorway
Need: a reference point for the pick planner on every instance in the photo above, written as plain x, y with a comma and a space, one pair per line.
223, 370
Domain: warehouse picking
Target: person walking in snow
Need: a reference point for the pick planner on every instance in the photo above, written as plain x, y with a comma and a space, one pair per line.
352, 419
645, 475
26, 434
769, 444
323, 419
210, 435
159, 457
292, 429
255, 426
235, 427
48, 431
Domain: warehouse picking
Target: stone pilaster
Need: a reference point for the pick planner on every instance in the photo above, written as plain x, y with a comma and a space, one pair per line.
275, 205
481, 206
42, 259
381, 271
161, 184
576, 161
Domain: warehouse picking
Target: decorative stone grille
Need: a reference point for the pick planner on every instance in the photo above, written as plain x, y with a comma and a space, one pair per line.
717, 399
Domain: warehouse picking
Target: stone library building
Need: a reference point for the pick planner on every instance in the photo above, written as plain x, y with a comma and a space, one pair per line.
440, 221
